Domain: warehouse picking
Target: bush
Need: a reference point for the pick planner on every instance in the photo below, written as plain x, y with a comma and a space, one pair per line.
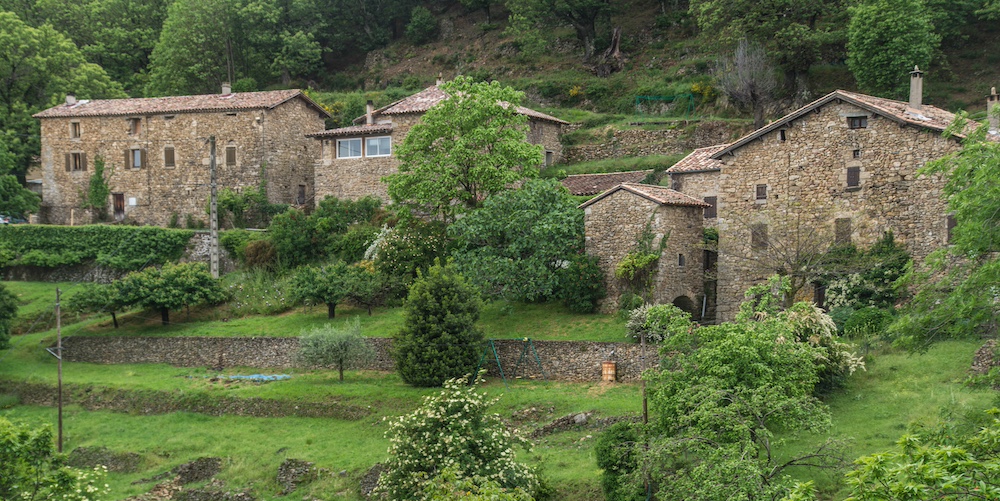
617, 454
410, 247
423, 27
865, 327
294, 237
8, 311
258, 292
330, 346
260, 254
581, 285
453, 431
657, 322
124, 248
439, 339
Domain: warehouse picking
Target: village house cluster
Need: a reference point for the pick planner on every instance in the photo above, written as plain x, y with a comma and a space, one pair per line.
843, 168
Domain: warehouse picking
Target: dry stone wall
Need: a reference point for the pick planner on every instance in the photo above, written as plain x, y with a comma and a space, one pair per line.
560, 360
639, 142
806, 192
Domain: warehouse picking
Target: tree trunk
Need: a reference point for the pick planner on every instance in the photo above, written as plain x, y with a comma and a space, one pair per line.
114, 319
164, 316
331, 309
758, 114
340, 368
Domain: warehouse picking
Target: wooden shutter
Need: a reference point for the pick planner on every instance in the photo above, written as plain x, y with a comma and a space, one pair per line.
69, 162
230, 155
711, 212
761, 192
853, 177
168, 156
83, 161
128, 158
142, 157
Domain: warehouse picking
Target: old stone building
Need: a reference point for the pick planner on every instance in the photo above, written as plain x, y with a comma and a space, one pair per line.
842, 169
352, 160
615, 222
156, 152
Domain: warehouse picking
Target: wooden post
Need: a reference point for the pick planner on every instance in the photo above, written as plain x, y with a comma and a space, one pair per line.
213, 245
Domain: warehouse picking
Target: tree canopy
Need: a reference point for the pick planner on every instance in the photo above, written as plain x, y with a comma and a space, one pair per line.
169, 288
886, 39
465, 149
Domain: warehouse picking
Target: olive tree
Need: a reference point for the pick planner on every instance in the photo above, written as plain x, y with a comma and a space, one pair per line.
340, 347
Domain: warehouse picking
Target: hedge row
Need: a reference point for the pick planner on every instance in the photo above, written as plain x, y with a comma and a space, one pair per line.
123, 248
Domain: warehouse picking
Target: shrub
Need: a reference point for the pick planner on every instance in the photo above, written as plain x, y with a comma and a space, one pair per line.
439, 340
581, 285
258, 292
617, 454
8, 311
865, 327
657, 322
119, 247
410, 247
330, 346
294, 237
453, 430
260, 254
423, 27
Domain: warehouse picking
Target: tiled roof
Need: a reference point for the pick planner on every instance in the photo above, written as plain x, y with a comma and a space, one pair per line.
429, 97
354, 130
657, 194
592, 184
237, 101
928, 117
699, 160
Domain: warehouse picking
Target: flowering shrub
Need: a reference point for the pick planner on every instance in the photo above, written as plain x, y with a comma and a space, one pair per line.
453, 431
257, 292
657, 322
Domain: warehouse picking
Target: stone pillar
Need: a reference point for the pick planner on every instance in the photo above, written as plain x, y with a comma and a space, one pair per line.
916, 88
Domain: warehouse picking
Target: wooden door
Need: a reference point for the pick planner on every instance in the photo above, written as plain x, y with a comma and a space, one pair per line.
119, 203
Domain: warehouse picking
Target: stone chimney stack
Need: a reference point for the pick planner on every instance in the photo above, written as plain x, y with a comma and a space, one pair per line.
369, 110
916, 88
71, 99
226, 89
992, 111
440, 79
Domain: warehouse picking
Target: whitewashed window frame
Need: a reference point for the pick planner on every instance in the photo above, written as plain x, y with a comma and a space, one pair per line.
347, 143
377, 140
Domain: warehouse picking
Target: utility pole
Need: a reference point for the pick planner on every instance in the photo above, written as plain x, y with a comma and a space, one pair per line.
642, 356
213, 245
59, 358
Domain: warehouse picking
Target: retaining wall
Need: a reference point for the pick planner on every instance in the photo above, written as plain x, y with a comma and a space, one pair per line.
560, 360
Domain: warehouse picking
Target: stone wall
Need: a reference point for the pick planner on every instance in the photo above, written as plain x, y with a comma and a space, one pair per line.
561, 360
806, 180
639, 142
154, 192
613, 226
699, 185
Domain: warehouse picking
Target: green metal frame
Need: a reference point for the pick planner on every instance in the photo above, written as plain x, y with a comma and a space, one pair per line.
639, 100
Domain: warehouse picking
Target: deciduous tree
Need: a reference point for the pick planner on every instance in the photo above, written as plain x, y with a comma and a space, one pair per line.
170, 287
324, 284
465, 149
31, 469
8, 312
340, 347
96, 298
16, 200
885, 40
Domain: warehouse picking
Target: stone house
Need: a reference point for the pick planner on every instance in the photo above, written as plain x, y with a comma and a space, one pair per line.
352, 160
842, 169
156, 152
614, 224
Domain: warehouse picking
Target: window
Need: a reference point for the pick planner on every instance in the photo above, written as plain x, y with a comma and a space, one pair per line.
135, 158
711, 212
781, 135
300, 198
230, 155
168, 156
758, 236
856, 154
76, 162
854, 177
348, 148
842, 231
857, 122
680, 260
231, 114
549, 158
134, 126
950, 223
169, 117
378, 146
761, 192
74, 130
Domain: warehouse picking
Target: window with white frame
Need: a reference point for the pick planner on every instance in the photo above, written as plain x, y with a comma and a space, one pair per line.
378, 146
349, 148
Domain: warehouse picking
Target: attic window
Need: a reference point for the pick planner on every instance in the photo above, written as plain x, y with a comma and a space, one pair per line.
857, 122
169, 117
231, 114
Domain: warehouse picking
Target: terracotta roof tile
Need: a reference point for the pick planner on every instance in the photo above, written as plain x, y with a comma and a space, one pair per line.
238, 101
592, 184
354, 130
429, 97
658, 194
698, 160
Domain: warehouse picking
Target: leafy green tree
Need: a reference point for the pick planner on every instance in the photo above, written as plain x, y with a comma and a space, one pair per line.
530, 21
330, 346
885, 40
423, 27
299, 55
325, 284
293, 234
96, 298
453, 433
956, 292
481, 4
582, 284
617, 451
8, 312
38, 66
439, 339
515, 245
170, 287
412, 245
32, 470
469, 147
16, 200
366, 286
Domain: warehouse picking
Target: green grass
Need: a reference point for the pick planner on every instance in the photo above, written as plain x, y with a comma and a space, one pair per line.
655, 162
36, 302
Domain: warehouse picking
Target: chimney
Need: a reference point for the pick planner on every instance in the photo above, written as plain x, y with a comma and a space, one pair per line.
916, 88
226, 89
992, 111
71, 99
369, 109
440, 79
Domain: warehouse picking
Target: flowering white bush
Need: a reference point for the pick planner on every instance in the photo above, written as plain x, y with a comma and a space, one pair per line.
453, 431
